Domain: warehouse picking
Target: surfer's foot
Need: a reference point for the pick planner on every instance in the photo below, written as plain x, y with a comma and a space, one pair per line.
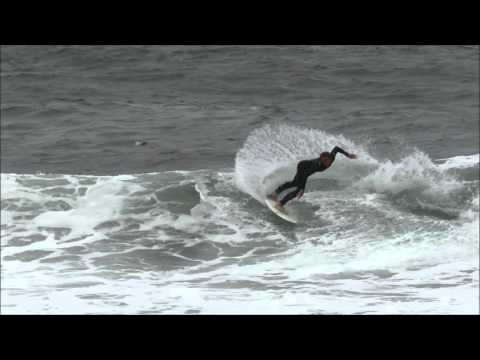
279, 206
273, 196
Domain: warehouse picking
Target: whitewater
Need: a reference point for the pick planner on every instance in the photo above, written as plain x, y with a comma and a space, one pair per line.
377, 235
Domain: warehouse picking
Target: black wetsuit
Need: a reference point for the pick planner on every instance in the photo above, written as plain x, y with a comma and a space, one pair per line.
305, 168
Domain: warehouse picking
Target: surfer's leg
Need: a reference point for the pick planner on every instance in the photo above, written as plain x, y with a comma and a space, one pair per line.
285, 186
290, 196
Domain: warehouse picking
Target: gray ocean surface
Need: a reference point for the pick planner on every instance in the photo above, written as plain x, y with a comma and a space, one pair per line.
133, 179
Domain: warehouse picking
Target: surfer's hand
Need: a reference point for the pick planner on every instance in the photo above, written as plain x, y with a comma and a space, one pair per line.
300, 194
352, 156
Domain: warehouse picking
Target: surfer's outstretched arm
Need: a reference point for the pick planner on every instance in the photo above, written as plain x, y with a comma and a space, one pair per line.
341, 151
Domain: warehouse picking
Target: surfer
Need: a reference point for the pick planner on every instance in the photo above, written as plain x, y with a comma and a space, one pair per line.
305, 168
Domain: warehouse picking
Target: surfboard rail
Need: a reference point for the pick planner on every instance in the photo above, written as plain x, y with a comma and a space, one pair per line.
284, 215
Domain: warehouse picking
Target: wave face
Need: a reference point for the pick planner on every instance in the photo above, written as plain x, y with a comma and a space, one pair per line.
376, 236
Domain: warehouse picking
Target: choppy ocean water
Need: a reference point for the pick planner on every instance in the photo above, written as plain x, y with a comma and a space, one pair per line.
93, 222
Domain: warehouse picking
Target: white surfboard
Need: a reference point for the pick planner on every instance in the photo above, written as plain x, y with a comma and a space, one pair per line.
283, 214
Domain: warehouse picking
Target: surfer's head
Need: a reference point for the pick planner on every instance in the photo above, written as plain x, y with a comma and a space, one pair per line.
326, 158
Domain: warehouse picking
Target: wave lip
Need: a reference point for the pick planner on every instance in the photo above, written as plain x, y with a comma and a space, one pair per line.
459, 162
414, 172
419, 185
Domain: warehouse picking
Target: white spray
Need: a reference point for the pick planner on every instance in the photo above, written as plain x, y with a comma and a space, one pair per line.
270, 154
